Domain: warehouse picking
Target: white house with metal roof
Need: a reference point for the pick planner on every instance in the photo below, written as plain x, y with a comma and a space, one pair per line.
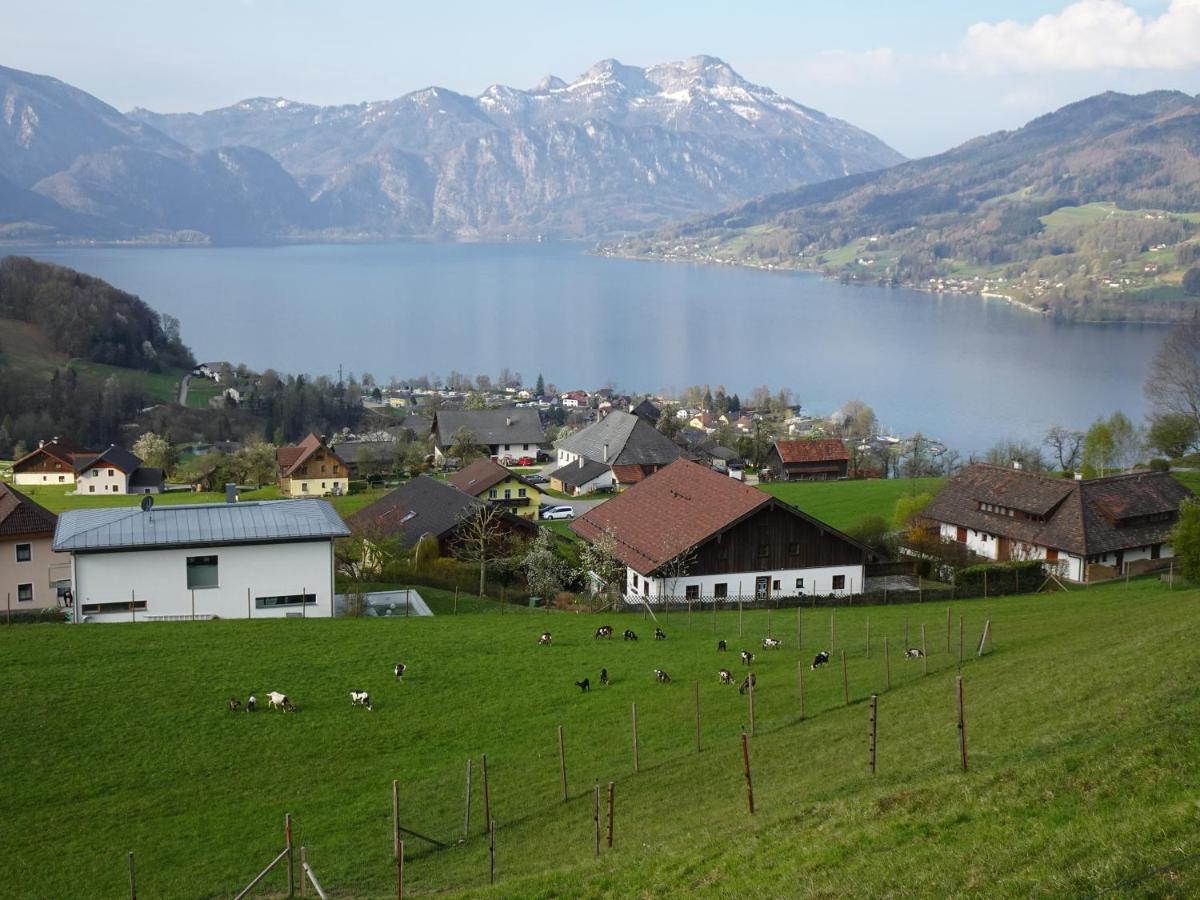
269, 559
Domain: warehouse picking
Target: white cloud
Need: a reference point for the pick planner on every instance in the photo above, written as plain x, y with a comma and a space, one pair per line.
1089, 34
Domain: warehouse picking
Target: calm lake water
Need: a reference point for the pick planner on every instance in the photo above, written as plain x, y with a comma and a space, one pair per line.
966, 371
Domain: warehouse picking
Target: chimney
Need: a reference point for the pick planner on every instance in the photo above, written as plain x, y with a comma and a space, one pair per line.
231, 492
581, 462
1017, 464
606, 453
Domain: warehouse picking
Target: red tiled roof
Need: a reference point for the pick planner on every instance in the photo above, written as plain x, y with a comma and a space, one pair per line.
669, 512
291, 458
481, 475
816, 450
630, 474
20, 515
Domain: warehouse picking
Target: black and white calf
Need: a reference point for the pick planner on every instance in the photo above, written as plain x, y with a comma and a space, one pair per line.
659, 634
360, 698
629, 635
748, 682
770, 643
234, 704
662, 676
604, 676
276, 700
251, 703
584, 686
913, 653
725, 676
399, 670
604, 631
545, 638
747, 657
820, 659
722, 646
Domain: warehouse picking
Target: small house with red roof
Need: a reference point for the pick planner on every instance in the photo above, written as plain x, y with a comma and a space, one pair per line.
311, 469
816, 459
53, 462
689, 532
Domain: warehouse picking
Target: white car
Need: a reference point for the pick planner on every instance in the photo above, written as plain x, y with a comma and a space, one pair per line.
558, 512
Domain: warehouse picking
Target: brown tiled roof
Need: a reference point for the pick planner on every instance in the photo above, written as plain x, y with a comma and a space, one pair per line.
481, 475
816, 450
291, 458
631, 474
20, 515
671, 511
63, 449
1085, 518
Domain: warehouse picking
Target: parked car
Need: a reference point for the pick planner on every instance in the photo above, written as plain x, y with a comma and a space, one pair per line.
536, 479
558, 512
526, 461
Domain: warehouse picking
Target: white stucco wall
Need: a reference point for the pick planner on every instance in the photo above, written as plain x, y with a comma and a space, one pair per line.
98, 481
36, 478
159, 577
319, 487
985, 544
817, 580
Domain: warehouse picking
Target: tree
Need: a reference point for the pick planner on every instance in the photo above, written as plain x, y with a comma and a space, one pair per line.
465, 446
480, 539
156, 452
255, 464
475, 400
1172, 434
909, 509
668, 422
598, 560
1191, 281
1005, 453
1186, 540
675, 569
539, 389
546, 572
1065, 446
1173, 385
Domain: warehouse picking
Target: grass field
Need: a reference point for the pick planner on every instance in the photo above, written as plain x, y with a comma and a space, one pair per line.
843, 504
1081, 727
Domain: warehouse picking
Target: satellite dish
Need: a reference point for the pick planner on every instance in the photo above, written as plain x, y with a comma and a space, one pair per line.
147, 503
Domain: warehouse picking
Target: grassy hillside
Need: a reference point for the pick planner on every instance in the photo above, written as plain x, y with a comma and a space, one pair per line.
843, 504
1080, 723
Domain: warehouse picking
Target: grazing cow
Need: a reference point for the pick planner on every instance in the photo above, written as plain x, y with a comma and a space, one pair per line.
659, 634
584, 686
725, 676
820, 659
276, 700
722, 646
629, 635
234, 704
360, 698
662, 676
604, 631
399, 670
770, 643
747, 657
913, 653
748, 682
251, 703
545, 638
604, 676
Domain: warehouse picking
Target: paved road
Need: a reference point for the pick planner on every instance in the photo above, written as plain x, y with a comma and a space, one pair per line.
183, 389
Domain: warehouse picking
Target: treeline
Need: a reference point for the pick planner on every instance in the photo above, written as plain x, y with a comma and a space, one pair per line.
86, 318
88, 408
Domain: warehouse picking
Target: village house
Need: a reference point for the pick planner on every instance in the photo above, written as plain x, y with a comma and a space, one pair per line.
648, 411
116, 471
625, 445
311, 469
816, 459
574, 399
427, 506
32, 575
690, 533
504, 432
53, 462
487, 480
228, 560
1088, 529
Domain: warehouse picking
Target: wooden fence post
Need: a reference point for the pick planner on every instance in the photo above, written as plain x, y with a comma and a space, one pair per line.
874, 711
596, 817
456, 600
633, 713
492, 851
739, 611
714, 615
962, 725
696, 695
611, 789
983, 637
132, 877
749, 781
400, 871
487, 794
8, 610
562, 763
769, 632
924, 653
750, 696
291, 869
397, 844
887, 666
845, 681
467, 804
303, 870
194, 619
985, 585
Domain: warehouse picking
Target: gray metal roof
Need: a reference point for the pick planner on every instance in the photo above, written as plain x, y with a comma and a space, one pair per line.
575, 475
630, 440
128, 528
491, 426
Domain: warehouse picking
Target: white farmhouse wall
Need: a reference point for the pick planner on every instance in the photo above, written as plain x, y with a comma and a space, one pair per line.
98, 481
36, 478
985, 544
159, 577
817, 580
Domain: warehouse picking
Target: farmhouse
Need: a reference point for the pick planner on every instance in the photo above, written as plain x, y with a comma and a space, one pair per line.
504, 432
231, 560
808, 460
627, 445
53, 462
1093, 528
648, 411
32, 575
689, 532
490, 481
311, 469
426, 506
582, 477
116, 471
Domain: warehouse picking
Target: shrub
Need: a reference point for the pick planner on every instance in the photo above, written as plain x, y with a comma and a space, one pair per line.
1160, 465
1017, 577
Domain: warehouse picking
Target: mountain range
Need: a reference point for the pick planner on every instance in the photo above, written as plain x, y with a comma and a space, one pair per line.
1088, 212
620, 148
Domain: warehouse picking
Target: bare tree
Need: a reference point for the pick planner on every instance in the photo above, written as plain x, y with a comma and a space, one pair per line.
1173, 384
481, 539
1065, 446
598, 560
670, 572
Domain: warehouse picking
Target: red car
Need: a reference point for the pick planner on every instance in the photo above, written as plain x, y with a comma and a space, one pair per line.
525, 461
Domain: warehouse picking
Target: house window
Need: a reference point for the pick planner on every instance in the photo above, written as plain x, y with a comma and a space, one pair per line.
322, 468
110, 473
24, 593
520, 492
764, 550
635, 582
322, 485
691, 592
794, 548
508, 493
201, 572
839, 582
62, 478
1051, 555
721, 590
799, 584
304, 487
118, 606
91, 489
285, 600
24, 552
775, 585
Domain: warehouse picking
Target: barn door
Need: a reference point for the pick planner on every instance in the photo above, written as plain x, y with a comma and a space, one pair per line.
1003, 549
762, 587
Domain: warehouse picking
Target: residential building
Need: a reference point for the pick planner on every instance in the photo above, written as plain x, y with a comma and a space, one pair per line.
53, 462
504, 432
818, 459
427, 506
487, 480
116, 471
365, 457
689, 532
1089, 529
628, 445
648, 411
32, 575
574, 399
582, 477
311, 469
227, 560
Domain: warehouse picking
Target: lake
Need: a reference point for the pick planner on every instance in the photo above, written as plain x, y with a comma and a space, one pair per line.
964, 370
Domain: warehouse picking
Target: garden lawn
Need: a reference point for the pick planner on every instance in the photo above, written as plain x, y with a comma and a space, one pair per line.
1081, 726
843, 504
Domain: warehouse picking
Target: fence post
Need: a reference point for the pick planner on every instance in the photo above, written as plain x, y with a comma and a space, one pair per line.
303, 870
962, 725
562, 763
770, 633
132, 877
845, 681
739, 610
248, 613
906, 641
467, 804
887, 666
961, 628
983, 638
397, 844
596, 817
291, 869
611, 788
635, 737
1171, 576
8, 610
487, 796
749, 781
492, 851
985, 591
874, 710
400, 872
696, 694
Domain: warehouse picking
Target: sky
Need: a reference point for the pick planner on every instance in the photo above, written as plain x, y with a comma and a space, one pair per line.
923, 76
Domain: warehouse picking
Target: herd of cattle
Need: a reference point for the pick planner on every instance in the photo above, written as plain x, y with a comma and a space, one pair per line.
281, 701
